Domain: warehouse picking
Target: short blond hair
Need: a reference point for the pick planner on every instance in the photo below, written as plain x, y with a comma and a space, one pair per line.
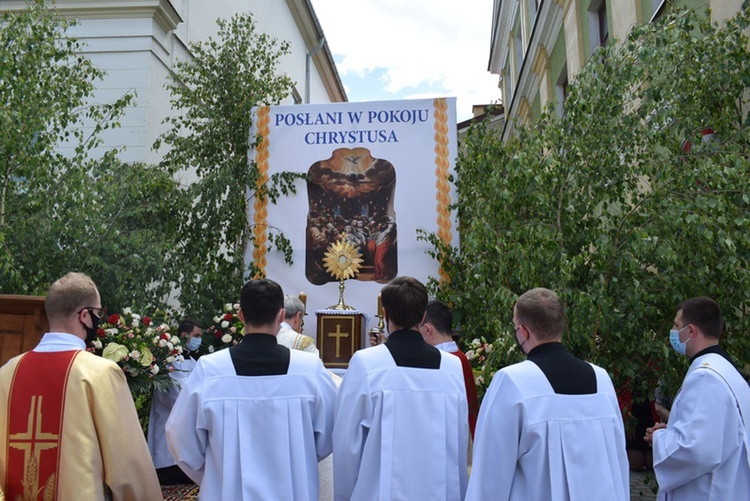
69, 294
543, 312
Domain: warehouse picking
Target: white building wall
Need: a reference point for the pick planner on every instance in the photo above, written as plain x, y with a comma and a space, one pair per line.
138, 54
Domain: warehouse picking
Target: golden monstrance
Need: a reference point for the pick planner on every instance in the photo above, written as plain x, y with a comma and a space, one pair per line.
342, 261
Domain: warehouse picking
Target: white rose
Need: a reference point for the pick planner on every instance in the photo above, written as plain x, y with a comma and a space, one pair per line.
179, 349
224, 324
470, 355
228, 307
217, 320
226, 338
136, 317
488, 348
154, 369
175, 340
162, 343
112, 331
236, 306
97, 344
170, 360
149, 331
135, 354
170, 346
210, 349
127, 311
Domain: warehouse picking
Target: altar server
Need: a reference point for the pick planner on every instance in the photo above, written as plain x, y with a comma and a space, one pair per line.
703, 452
437, 330
550, 427
68, 425
252, 421
169, 473
401, 429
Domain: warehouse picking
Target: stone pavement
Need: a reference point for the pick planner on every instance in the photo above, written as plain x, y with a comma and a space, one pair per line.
642, 485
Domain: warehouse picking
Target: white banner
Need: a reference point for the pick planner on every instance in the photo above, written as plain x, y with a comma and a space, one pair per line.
378, 172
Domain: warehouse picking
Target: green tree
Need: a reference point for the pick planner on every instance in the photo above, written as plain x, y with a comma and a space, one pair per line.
72, 212
215, 92
608, 207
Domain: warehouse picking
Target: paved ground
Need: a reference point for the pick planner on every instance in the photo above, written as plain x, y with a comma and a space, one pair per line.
642, 486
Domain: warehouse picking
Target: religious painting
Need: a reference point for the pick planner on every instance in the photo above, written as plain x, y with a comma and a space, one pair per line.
351, 195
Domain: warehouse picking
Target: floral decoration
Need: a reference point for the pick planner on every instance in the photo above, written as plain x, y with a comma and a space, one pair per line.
226, 331
144, 351
488, 358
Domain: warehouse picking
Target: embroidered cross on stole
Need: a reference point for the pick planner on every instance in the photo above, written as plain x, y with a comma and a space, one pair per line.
35, 420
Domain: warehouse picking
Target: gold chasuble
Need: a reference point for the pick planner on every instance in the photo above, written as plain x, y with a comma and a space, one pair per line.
69, 431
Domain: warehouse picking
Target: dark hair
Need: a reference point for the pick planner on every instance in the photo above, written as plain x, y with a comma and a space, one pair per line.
543, 312
187, 326
440, 316
405, 300
705, 313
260, 301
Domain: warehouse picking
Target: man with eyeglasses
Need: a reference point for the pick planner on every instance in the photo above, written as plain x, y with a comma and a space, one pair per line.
703, 452
68, 426
549, 427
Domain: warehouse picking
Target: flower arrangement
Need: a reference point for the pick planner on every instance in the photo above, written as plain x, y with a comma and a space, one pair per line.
226, 331
144, 351
488, 358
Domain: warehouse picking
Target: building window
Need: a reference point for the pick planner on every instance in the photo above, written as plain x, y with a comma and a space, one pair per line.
519, 52
508, 84
561, 91
598, 27
533, 6
657, 9
603, 28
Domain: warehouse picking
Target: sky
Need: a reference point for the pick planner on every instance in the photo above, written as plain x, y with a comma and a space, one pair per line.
412, 49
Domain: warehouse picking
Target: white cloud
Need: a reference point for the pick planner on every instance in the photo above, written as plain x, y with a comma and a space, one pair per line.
414, 44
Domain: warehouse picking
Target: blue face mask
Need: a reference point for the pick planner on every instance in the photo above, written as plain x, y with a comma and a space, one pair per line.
674, 340
193, 343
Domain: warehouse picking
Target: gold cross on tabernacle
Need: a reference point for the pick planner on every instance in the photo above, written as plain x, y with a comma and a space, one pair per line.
338, 335
33, 440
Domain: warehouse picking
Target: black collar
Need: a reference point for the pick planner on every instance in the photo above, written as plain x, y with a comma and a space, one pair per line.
712, 349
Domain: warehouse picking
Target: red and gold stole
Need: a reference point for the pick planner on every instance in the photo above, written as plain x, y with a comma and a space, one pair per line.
35, 420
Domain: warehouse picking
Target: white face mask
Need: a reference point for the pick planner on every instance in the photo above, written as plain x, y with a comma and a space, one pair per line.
674, 340
193, 343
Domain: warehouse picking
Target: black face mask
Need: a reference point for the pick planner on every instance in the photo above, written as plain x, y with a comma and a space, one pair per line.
91, 332
519, 344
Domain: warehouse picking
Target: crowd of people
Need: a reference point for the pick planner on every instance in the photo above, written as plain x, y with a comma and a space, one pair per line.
374, 237
265, 420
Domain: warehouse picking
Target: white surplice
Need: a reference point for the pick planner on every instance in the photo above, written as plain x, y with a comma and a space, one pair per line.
702, 454
400, 432
253, 437
161, 405
532, 443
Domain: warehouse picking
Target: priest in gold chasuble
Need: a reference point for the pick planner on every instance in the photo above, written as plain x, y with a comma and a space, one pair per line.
68, 426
